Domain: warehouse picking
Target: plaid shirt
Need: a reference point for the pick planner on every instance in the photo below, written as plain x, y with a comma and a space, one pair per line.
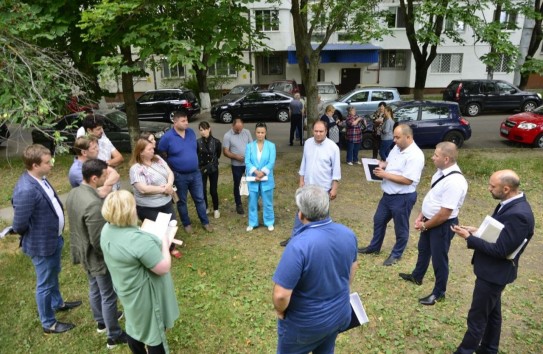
354, 131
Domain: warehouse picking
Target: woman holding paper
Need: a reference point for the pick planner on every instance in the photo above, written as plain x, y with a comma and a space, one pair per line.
152, 181
139, 263
259, 162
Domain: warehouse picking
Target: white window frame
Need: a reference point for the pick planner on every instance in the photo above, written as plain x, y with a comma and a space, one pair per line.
396, 12
230, 70
457, 26
385, 59
508, 20
502, 65
166, 70
439, 62
266, 65
269, 23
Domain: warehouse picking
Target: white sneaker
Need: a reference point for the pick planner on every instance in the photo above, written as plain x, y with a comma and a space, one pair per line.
349, 163
359, 162
217, 214
271, 228
208, 211
249, 228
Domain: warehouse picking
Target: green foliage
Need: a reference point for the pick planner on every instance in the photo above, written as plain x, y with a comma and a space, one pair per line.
532, 66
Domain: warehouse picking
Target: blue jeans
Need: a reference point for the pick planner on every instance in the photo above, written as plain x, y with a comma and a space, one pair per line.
190, 182
384, 149
352, 151
295, 340
48, 296
397, 207
267, 205
103, 303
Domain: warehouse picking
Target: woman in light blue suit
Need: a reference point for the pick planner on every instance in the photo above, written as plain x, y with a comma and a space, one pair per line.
259, 162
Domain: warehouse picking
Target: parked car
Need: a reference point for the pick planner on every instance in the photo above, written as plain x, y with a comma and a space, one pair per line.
327, 91
476, 96
433, 121
289, 86
365, 100
158, 105
4, 133
115, 128
525, 128
238, 91
262, 105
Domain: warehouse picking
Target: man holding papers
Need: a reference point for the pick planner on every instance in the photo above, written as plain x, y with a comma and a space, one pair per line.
312, 280
490, 264
440, 209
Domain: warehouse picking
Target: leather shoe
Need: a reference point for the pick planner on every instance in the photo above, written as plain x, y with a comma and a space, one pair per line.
59, 327
391, 260
208, 228
68, 305
239, 209
188, 229
431, 299
366, 250
410, 277
284, 242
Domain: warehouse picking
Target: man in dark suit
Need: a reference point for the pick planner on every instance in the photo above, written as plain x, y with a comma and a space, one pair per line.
39, 219
490, 264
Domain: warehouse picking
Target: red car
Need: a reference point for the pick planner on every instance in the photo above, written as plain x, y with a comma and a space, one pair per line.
526, 128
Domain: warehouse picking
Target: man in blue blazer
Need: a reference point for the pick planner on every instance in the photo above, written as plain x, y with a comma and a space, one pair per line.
39, 219
490, 262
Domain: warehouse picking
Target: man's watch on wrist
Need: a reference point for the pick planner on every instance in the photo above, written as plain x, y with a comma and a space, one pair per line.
423, 227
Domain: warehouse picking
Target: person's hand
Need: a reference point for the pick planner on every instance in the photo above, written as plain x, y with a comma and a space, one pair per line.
379, 172
461, 231
168, 190
280, 315
332, 194
418, 224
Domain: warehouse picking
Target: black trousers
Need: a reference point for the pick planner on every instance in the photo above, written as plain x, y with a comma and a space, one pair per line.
296, 120
213, 182
376, 145
237, 173
138, 347
151, 214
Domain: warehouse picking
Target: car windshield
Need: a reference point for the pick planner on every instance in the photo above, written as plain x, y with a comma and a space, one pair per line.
346, 96
326, 88
238, 90
118, 117
282, 86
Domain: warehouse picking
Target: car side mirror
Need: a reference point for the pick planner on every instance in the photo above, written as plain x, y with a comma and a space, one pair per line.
513, 91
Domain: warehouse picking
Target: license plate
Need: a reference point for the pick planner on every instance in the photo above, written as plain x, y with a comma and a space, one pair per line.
504, 131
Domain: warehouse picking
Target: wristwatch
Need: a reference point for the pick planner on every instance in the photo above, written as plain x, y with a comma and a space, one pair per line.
423, 227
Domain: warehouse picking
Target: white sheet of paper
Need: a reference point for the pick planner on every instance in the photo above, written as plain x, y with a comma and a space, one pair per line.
489, 230
358, 308
253, 178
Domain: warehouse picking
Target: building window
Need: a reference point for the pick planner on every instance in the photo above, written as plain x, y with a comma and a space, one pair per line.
392, 59
456, 26
267, 20
447, 63
508, 20
503, 65
272, 65
395, 17
317, 37
171, 72
346, 37
222, 68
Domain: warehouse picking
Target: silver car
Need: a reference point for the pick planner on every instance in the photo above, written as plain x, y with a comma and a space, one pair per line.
365, 100
327, 91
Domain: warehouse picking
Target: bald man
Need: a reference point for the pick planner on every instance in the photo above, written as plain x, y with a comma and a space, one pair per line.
490, 264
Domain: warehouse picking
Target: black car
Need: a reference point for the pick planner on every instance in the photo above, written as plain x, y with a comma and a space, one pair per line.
158, 105
475, 96
115, 128
4, 133
238, 91
261, 105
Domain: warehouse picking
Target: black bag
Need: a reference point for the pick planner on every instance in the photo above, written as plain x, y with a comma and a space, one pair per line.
209, 169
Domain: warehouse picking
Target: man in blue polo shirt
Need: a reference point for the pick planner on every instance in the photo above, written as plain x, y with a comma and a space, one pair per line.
178, 146
312, 280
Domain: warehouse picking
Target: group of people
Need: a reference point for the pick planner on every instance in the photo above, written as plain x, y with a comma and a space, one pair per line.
320, 259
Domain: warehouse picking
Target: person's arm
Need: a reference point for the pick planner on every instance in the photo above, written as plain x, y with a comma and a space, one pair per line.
226, 151
164, 266
95, 222
281, 300
218, 149
439, 218
250, 168
380, 172
24, 205
333, 190
354, 267
112, 178
116, 158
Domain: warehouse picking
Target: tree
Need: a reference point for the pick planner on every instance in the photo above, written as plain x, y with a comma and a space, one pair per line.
329, 16
532, 65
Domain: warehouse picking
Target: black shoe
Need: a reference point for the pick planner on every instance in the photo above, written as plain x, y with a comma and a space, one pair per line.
59, 327
289, 144
239, 209
366, 250
285, 242
431, 299
101, 328
68, 305
121, 339
410, 277
391, 260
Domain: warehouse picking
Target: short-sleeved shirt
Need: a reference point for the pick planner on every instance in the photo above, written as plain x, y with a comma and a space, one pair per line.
296, 107
237, 143
148, 299
75, 175
105, 146
182, 155
316, 266
407, 163
321, 163
449, 193
154, 175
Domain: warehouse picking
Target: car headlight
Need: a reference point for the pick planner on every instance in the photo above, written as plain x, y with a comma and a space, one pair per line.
538, 95
159, 134
224, 107
526, 126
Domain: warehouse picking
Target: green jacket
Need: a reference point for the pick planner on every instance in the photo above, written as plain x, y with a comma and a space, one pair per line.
84, 208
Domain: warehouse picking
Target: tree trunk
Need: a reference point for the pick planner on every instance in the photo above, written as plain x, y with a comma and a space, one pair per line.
128, 96
535, 42
201, 77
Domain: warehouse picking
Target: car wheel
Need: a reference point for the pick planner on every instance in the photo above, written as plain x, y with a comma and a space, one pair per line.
529, 106
226, 117
538, 142
454, 137
367, 141
473, 109
282, 115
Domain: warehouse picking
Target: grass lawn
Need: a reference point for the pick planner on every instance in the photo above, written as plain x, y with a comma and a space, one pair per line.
223, 281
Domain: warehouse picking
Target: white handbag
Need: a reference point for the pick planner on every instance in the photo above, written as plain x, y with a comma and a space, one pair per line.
243, 188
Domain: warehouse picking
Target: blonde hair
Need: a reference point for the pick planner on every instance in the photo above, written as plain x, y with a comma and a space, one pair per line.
119, 209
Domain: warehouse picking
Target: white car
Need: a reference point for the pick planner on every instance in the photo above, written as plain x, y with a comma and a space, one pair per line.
327, 91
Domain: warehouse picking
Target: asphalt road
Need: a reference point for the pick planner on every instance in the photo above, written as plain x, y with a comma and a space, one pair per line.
485, 134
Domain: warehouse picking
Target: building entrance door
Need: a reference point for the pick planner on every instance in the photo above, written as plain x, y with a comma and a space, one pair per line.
349, 79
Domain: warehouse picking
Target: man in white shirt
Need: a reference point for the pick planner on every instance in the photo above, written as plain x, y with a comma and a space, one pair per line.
401, 174
440, 209
93, 124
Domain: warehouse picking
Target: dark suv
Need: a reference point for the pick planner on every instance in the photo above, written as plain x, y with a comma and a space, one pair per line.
475, 96
158, 105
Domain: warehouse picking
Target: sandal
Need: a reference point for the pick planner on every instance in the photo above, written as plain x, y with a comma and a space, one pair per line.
176, 253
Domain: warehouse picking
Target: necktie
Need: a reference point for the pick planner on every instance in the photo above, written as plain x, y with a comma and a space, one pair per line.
497, 208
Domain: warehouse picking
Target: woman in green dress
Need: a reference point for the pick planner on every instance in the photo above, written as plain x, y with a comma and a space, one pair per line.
139, 263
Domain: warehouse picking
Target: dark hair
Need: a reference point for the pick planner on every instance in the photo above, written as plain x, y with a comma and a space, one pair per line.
178, 114
382, 103
83, 143
237, 119
92, 121
261, 125
93, 167
204, 125
318, 121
